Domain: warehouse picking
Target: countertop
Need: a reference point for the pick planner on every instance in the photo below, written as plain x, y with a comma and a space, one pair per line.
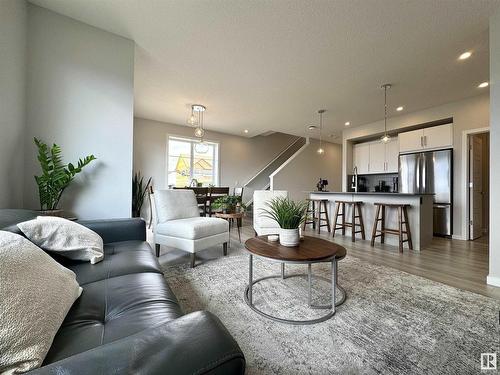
367, 193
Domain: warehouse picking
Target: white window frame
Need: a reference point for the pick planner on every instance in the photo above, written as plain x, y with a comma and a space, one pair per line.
193, 141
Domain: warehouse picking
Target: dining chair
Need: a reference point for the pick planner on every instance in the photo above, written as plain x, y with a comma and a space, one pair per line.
215, 192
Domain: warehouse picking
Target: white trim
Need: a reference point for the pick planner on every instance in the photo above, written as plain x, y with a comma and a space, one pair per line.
458, 237
493, 280
465, 175
288, 161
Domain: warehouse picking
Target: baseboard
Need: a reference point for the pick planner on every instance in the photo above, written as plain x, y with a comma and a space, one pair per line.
493, 280
458, 237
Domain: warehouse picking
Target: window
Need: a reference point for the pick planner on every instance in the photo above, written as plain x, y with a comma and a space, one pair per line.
188, 159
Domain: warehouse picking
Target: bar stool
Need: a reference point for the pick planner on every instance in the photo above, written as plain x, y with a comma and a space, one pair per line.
356, 205
402, 220
319, 207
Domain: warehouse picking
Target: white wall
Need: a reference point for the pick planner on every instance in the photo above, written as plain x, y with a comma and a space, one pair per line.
494, 274
240, 157
303, 172
80, 96
13, 16
469, 113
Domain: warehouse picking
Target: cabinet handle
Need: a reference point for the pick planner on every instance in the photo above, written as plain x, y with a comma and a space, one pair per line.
421, 141
425, 140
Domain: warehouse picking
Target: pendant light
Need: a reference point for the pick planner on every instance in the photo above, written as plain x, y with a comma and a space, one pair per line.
320, 150
385, 138
196, 119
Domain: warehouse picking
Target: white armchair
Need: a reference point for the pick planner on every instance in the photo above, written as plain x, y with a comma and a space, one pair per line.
178, 224
262, 225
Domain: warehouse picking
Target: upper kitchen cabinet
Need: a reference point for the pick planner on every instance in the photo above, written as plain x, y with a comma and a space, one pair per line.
376, 157
361, 157
432, 138
392, 156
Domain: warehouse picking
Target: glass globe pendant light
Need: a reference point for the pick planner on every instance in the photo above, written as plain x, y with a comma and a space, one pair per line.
386, 137
321, 150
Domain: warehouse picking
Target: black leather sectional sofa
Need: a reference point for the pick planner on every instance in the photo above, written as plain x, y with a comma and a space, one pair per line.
128, 321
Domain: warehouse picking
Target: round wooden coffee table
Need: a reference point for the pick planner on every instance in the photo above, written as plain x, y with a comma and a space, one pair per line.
309, 251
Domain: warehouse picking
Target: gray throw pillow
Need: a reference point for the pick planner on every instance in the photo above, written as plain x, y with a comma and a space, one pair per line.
64, 237
36, 293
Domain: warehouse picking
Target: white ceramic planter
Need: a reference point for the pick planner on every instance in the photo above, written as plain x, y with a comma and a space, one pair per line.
289, 237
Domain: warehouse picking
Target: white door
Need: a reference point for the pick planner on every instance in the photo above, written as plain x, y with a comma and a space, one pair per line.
476, 187
377, 157
438, 136
411, 141
361, 157
392, 156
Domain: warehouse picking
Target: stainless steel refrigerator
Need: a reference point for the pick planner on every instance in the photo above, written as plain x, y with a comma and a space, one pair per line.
431, 173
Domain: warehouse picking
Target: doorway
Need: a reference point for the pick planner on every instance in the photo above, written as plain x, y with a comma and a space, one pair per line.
478, 186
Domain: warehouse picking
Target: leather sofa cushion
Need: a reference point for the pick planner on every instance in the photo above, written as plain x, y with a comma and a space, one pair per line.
193, 228
112, 309
120, 258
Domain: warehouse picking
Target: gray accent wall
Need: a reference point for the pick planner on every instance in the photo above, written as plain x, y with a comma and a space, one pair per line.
80, 96
13, 21
494, 272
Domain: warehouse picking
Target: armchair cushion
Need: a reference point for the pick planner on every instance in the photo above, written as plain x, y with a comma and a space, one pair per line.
175, 204
193, 228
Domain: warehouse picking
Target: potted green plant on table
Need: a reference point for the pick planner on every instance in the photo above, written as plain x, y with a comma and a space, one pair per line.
139, 191
56, 176
289, 215
228, 204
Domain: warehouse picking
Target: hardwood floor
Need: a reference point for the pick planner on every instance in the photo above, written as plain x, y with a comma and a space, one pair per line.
461, 264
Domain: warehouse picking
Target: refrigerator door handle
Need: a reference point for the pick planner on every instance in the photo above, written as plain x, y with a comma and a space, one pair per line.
424, 177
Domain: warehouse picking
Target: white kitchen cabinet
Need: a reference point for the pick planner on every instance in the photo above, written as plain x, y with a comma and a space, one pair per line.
426, 139
392, 156
361, 157
377, 157
411, 141
438, 137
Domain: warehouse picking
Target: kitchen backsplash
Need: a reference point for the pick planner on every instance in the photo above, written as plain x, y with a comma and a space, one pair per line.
371, 182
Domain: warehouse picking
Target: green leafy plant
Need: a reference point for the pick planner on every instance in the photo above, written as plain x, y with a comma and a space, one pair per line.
56, 176
139, 191
287, 213
228, 202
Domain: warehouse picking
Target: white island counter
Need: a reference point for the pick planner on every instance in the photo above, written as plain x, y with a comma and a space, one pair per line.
420, 214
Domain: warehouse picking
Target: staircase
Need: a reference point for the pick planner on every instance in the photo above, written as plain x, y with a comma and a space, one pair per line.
261, 180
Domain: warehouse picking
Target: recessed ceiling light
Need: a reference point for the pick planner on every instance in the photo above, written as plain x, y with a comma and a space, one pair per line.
312, 127
484, 84
465, 55
245, 131
347, 123
400, 108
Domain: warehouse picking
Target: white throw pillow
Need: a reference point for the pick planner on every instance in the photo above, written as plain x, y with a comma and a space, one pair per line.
64, 237
36, 293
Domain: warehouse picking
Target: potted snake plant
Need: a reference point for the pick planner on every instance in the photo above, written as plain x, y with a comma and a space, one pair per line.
289, 215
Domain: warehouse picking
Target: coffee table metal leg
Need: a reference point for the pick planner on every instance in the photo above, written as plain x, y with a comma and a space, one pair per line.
334, 283
282, 270
309, 282
250, 279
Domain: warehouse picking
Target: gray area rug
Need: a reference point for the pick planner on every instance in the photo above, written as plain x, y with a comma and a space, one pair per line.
391, 323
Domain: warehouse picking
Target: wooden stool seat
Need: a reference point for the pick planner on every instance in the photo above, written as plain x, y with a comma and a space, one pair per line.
402, 210
317, 212
356, 205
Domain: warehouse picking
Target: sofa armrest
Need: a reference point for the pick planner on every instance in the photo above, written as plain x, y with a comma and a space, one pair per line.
196, 343
114, 230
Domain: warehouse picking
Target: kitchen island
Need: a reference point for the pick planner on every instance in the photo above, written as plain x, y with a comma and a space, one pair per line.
420, 213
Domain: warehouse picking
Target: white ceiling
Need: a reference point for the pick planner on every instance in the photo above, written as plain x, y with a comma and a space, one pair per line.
270, 65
